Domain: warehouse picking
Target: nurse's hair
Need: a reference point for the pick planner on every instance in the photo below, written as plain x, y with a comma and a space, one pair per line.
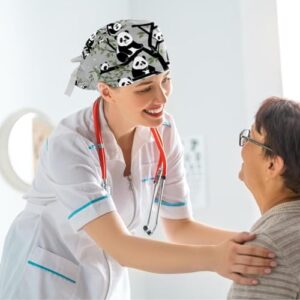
119, 54
279, 118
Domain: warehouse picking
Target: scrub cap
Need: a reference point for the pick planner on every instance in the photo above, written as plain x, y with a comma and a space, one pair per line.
119, 54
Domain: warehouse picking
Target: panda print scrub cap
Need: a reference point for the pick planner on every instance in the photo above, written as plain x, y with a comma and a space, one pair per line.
119, 54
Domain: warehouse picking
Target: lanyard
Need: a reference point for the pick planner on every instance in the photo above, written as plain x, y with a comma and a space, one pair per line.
161, 169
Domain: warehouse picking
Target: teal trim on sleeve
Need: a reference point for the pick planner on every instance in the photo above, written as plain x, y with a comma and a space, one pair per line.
51, 271
173, 204
86, 205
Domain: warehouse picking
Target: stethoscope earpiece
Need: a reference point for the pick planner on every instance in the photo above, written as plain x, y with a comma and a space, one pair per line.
147, 230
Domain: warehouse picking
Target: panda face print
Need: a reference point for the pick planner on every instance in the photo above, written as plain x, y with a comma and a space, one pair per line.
104, 66
124, 39
113, 28
141, 68
157, 35
124, 81
139, 63
117, 27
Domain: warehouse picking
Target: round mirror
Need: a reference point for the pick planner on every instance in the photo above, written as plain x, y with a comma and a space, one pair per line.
21, 138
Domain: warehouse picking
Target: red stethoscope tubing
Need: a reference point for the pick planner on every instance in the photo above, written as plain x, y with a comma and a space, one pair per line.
162, 157
100, 145
162, 163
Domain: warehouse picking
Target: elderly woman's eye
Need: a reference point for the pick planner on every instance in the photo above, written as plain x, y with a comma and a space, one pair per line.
166, 79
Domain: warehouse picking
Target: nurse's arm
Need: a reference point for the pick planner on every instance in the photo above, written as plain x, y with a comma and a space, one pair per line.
188, 231
110, 234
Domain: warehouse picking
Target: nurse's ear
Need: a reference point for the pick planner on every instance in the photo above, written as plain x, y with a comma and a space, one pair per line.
105, 91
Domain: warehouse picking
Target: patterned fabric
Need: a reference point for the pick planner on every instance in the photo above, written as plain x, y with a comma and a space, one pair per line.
278, 230
119, 54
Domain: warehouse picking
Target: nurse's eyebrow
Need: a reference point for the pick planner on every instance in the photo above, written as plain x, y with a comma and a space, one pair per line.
149, 81
144, 83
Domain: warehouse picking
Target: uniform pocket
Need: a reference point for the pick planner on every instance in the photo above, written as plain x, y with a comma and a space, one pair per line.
52, 276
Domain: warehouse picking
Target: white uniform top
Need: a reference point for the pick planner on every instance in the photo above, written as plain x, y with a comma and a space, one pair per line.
46, 254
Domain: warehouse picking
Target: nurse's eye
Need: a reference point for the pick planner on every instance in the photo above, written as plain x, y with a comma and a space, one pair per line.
145, 90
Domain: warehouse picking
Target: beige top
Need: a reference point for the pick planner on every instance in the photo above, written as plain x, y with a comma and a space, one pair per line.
278, 230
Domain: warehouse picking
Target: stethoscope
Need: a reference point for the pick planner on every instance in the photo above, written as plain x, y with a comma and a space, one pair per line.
161, 169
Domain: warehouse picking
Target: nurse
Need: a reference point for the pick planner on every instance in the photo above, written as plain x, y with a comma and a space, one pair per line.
94, 186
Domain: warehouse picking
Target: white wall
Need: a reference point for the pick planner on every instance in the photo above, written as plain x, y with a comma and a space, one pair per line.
288, 27
261, 58
224, 56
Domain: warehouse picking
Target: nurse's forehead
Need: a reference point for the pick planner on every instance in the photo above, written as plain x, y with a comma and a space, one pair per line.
149, 80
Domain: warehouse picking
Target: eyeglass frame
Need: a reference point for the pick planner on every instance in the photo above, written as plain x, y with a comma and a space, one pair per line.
249, 139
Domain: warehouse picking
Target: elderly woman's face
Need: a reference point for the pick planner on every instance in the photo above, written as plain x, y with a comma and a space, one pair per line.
254, 163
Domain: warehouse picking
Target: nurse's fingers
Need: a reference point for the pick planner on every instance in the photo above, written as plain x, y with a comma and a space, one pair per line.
255, 251
248, 270
243, 237
239, 279
255, 261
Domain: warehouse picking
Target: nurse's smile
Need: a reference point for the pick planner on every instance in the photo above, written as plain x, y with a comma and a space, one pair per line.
155, 112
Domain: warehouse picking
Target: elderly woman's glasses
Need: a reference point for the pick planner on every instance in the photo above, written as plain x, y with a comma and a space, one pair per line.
245, 137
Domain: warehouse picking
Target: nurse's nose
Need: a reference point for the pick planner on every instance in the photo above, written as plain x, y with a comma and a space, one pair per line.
161, 96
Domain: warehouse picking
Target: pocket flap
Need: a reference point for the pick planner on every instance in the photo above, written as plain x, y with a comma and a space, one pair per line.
53, 263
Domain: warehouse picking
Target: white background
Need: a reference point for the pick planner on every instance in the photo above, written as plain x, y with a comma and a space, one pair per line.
289, 24
225, 61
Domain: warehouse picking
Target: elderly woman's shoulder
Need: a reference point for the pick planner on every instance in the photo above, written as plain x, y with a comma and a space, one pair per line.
280, 228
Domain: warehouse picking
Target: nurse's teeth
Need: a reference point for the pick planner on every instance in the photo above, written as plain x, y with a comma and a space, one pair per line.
154, 111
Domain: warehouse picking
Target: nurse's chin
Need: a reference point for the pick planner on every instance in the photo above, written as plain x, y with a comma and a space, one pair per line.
153, 121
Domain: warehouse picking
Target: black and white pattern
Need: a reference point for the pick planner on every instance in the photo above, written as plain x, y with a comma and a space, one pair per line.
113, 28
141, 68
121, 53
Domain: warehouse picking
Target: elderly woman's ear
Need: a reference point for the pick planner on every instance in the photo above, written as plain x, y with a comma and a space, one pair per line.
275, 166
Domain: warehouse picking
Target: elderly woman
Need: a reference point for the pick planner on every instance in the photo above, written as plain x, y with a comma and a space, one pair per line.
271, 171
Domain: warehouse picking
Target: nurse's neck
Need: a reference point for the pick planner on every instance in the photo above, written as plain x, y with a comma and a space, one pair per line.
122, 130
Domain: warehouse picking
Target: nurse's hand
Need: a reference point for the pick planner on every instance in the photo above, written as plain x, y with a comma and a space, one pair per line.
235, 260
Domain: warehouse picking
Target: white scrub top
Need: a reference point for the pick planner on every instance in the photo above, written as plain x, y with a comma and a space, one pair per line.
47, 255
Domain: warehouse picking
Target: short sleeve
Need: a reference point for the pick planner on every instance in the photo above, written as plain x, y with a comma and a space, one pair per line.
75, 175
176, 197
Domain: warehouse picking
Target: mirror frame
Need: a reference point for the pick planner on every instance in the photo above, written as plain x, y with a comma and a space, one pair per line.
6, 167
